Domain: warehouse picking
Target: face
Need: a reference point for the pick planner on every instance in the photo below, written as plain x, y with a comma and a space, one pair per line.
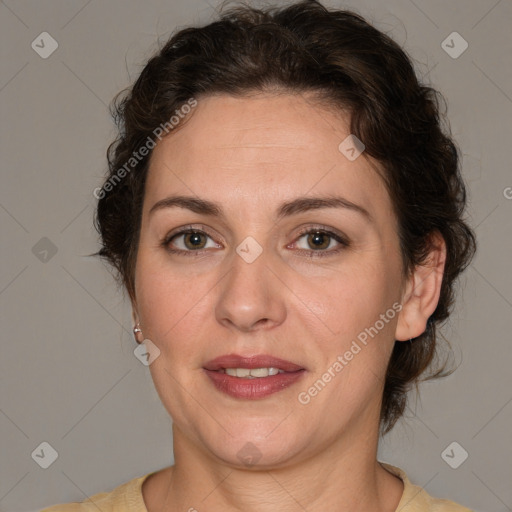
257, 273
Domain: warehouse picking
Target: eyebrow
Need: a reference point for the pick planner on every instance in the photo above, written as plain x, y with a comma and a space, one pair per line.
287, 209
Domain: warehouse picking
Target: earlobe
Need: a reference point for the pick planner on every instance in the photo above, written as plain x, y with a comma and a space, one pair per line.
422, 292
137, 331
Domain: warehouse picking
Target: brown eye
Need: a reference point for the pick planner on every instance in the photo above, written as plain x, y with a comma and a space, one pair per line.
189, 241
193, 240
319, 240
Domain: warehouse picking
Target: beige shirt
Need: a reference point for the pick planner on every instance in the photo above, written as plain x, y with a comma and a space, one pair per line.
128, 498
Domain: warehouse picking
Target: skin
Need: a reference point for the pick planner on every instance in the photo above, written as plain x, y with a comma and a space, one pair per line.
249, 155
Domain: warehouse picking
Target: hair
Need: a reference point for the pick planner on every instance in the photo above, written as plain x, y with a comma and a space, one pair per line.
304, 47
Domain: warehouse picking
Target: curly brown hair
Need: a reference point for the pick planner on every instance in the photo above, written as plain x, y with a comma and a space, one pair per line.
305, 47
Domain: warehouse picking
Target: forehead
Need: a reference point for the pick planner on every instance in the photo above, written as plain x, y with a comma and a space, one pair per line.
262, 147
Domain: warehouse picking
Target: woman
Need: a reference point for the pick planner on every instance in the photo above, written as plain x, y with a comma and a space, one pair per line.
285, 213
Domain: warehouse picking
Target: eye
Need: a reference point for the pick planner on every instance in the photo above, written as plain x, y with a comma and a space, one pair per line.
320, 242
193, 241
188, 240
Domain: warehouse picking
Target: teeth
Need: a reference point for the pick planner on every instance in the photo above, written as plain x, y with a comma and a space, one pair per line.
252, 373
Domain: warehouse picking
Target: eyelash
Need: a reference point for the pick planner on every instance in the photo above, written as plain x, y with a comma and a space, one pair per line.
344, 243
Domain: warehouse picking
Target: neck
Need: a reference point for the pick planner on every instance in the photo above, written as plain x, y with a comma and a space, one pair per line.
344, 476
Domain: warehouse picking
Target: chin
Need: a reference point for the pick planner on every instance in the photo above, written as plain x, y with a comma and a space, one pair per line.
255, 445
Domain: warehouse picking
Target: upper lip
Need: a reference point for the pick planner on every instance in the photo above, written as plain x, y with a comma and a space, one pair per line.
250, 362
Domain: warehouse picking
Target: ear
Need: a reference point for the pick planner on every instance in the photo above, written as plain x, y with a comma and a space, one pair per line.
135, 315
422, 291
135, 318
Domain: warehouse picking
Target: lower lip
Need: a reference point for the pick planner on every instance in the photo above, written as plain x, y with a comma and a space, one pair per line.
253, 389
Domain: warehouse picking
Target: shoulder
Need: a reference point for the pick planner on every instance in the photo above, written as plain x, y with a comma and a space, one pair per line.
416, 499
127, 496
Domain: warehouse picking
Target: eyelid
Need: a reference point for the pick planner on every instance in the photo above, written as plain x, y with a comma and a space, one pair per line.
342, 240
187, 228
326, 230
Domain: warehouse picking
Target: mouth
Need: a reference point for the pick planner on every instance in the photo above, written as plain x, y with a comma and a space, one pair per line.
252, 377
251, 373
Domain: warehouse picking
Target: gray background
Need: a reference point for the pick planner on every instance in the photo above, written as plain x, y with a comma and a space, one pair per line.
69, 375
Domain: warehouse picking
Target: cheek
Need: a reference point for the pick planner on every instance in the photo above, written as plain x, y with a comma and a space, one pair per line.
164, 298
172, 309
357, 307
352, 299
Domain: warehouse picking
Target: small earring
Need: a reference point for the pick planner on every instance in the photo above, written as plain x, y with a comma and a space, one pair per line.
136, 331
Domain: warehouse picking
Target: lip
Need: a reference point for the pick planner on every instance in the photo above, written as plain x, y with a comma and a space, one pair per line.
251, 362
257, 388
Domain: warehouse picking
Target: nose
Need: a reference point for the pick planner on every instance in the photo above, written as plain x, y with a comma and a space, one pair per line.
251, 296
